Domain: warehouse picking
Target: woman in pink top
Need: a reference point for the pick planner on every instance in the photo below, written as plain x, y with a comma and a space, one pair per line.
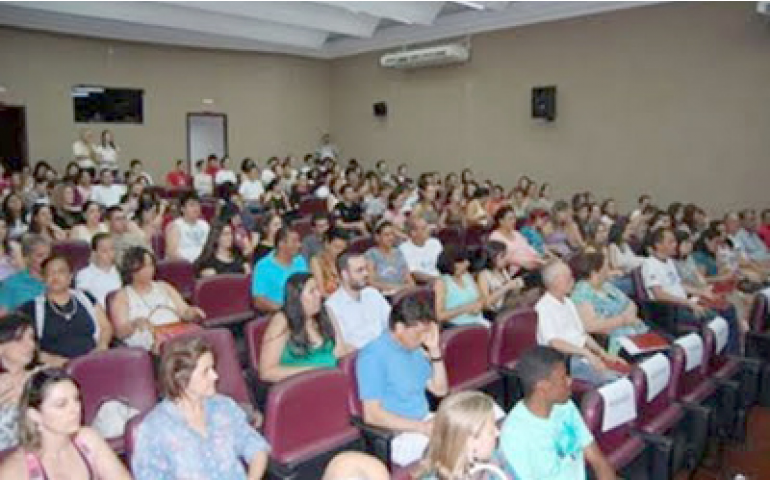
519, 252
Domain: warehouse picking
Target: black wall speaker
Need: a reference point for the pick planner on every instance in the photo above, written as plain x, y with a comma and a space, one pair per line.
380, 109
544, 103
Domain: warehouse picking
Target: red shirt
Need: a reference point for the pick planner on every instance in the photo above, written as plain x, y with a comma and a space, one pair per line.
212, 170
177, 179
764, 233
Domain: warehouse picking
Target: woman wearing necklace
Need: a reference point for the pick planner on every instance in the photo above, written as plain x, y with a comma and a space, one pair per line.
68, 323
143, 304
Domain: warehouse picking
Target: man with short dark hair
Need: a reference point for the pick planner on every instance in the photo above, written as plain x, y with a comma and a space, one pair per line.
272, 271
136, 168
421, 251
359, 311
107, 193
544, 436
393, 372
186, 236
101, 276
123, 239
313, 243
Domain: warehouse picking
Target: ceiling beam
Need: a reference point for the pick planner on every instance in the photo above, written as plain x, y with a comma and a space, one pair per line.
17, 17
182, 18
421, 13
298, 14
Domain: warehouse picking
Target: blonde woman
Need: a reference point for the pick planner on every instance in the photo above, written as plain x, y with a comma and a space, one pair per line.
464, 441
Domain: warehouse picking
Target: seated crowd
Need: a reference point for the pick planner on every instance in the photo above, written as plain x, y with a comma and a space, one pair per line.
336, 256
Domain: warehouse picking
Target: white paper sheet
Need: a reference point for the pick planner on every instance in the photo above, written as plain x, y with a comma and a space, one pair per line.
721, 331
657, 372
693, 350
619, 403
629, 346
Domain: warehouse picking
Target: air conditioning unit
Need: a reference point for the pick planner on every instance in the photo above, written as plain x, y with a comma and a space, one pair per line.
426, 57
763, 8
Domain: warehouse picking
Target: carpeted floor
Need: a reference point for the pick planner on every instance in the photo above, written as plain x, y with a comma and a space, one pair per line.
751, 459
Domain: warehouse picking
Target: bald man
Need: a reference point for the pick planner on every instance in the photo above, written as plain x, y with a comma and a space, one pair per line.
559, 326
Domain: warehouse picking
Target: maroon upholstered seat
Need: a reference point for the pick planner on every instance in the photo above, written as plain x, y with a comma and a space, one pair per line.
466, 357
360, 245
179, 273
130, 435
254, 332
513, 333
451, 236
307, 416
226, 299
77, 252
303, 226
124, 374
313, 205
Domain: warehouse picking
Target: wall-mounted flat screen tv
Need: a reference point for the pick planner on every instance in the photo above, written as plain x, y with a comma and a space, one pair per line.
96, 104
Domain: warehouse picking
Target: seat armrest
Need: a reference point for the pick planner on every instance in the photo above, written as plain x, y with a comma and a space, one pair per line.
661, 453
377, 439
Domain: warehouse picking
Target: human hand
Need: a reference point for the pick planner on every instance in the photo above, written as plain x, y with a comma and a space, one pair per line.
514, 284
476, 307
426, 427
194, 313
431, 340
596, 362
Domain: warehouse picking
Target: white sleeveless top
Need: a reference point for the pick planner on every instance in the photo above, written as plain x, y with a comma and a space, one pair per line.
192, 238
156, 306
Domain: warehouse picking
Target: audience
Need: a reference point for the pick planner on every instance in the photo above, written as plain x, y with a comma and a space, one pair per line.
271, 223
300, 337
388, 270
519, 252
544, 435
195, 432
560, 326
497, 286
220, 253
421, 251
186, 236
360, 312
271, 273
392, 373
602, 307
27, 284
68, 323
324, 263
41, 223
101, 276
92, 216
457, 298
143, 304
53, 442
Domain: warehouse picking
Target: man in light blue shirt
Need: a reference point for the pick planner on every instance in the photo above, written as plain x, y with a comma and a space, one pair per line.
270, 274
394, 370
25, 285
544, 436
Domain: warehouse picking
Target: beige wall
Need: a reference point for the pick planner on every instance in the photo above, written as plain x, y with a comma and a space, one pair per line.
275, 104
670, 99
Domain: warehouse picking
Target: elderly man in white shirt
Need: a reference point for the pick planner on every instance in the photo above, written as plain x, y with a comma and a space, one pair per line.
559, 326
360, 312
421, 251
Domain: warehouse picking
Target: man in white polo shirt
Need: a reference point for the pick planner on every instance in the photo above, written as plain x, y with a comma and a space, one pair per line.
101, 276
360, 311
559, 326
421, 251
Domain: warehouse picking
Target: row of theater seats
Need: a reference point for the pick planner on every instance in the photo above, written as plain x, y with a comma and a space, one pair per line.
679, 399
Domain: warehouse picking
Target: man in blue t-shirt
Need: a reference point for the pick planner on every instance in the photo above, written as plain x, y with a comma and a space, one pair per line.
544, 436
270, 274
25, 285
394, 370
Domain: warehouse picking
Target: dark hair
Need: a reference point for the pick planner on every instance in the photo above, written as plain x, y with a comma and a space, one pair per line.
643, 198
320, 216
705, 237
54, 258
543, 187
112, 210
536, 365
13, 326
681, 236
382, 226
411, 310
272, 184
145, 205
35, 391
34, 227
481, 192
336, 233
500, 214
282, 235
299, 342
187, 197
615, 235
585, 263
211, 246
449, 258
343, 259
97, 239
656, 236
9, 216
492, 250
135, 162
133, 261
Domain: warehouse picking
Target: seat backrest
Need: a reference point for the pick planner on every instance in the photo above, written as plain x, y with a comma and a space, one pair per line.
77, 252
255, 332
689, 357
513, 333
653, 381
306, 410
466, 355
158, 244
129, 437
124, 374
715, 335
424, 293
640, 293
609, 413
208, 210
475, 235
231, 381
223, 297
179, 273
347, 365
451, 236
303, 226
758, 316
360, 245
313, 205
